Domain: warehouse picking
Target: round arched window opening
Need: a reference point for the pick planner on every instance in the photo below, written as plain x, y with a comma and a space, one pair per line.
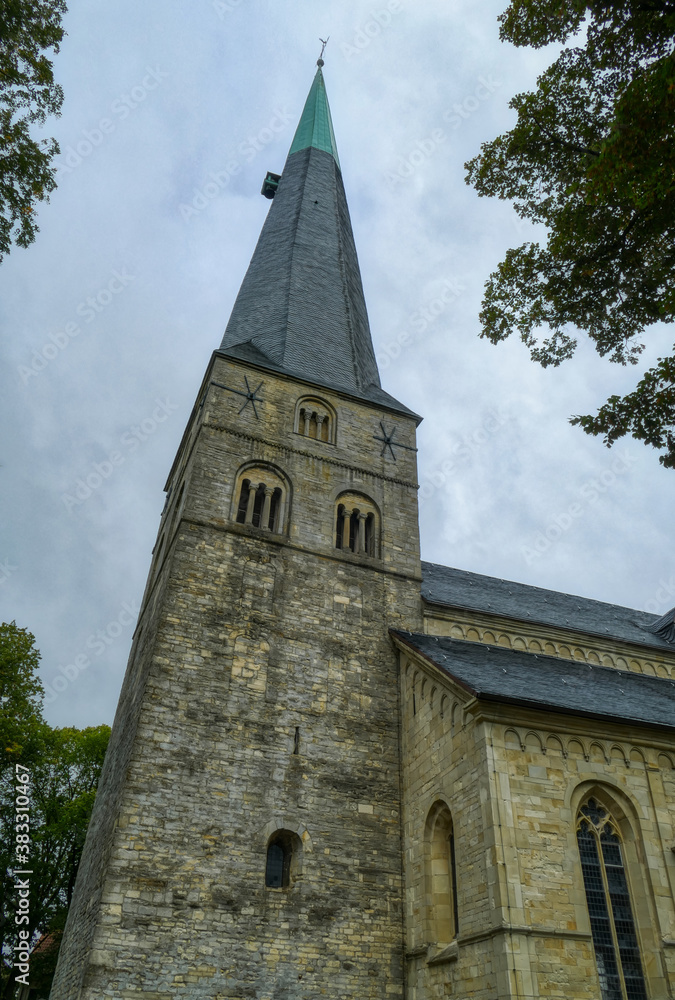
261, 499
283, 855
357, 525
315, 418
441, 875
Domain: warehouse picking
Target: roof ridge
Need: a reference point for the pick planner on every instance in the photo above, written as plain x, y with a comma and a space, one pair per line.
542, 590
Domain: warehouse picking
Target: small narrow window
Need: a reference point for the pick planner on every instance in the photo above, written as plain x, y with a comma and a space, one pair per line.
453, 874
177, 507
159, 553
243, 501
159, 550
283, 853
262, 500
353, 530
370, 535
441, 875
180, 497
315, 418
340, 526
615, 942
258, 506
275, 507
276, 873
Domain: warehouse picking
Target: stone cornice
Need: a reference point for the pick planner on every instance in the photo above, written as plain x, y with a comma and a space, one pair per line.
286, 449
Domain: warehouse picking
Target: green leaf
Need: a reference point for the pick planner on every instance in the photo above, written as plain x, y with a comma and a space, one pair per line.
592, 159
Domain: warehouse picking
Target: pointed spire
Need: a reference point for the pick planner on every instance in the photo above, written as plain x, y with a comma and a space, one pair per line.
300, 308
316, 126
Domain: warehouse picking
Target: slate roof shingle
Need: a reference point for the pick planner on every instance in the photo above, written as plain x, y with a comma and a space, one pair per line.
301, 304
472, 591
494, 673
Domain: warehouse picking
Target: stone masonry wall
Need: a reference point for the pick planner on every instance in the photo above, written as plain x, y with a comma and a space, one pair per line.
264, 644
82, 915
514, 781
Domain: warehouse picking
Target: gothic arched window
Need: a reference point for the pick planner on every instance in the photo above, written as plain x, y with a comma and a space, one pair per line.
617, 951
357, 525
441, 875
315, 418
261, 499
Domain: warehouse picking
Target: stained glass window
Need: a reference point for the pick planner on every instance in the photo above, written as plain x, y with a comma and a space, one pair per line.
614, 939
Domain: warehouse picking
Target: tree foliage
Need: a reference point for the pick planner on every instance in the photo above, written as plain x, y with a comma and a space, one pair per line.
64, 767
21, 696
28, 94
592, 158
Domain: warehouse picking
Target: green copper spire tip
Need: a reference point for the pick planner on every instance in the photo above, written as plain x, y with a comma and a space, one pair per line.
316, 127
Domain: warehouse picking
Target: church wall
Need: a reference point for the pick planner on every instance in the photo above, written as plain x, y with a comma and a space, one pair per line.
84, 910
270, 703
551, 770
514, 781
444, 760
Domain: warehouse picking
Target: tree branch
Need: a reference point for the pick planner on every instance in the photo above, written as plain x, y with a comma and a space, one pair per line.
572, 146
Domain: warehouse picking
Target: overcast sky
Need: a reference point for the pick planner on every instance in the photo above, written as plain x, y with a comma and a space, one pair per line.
110, 318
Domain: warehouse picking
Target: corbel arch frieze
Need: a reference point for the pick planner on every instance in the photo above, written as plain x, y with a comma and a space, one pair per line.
427, 701
602, 751
595, 656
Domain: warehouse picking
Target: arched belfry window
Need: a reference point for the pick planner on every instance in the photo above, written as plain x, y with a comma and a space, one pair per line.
261, 499
441, 876
283, 856
617, 951
315, 418
357, 525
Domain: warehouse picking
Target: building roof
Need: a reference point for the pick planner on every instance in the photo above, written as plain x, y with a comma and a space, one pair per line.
301, 304
315, 127
460, 589
249, 353
493, 673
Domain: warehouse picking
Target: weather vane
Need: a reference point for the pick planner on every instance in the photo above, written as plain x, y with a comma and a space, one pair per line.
324, 43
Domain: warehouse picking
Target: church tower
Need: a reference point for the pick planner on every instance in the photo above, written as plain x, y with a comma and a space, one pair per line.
246, 838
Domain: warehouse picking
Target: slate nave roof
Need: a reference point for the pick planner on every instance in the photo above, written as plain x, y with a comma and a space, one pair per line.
446, 586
